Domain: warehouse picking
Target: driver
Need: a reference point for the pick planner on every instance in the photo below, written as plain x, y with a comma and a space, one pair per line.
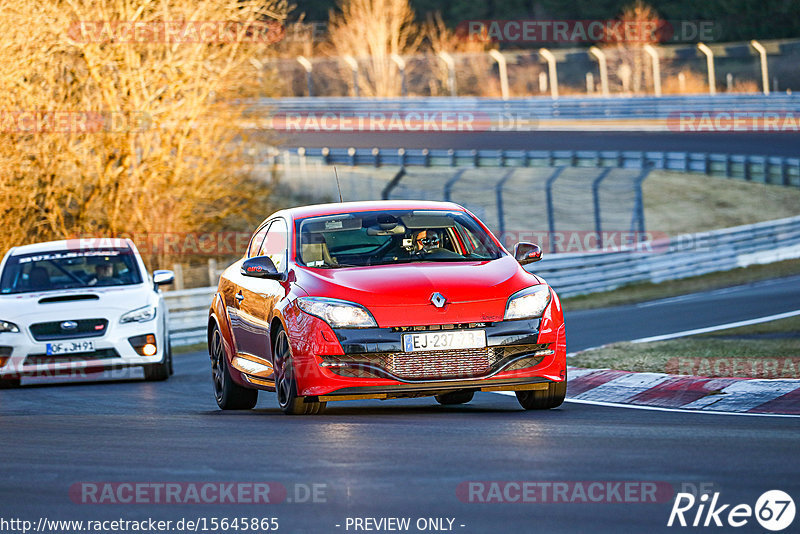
103, 275
426, 241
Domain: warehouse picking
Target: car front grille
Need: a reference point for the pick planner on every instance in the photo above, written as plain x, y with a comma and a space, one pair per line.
434, 365
54, 330
43, 359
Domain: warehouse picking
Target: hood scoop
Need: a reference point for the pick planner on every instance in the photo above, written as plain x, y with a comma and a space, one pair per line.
67, 298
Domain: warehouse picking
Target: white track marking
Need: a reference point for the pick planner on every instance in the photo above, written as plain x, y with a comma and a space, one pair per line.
743, 395
736, 324
623, 387
659, 408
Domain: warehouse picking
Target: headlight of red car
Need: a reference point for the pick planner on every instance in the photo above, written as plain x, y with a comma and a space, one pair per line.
528, 303
337, 313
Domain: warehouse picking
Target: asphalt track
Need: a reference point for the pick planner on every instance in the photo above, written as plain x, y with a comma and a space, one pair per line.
755, 143
399, 458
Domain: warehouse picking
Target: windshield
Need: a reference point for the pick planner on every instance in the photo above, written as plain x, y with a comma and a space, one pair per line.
68, 269
389, 237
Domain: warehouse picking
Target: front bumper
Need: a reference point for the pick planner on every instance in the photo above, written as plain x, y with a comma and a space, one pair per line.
26, 357
358, 363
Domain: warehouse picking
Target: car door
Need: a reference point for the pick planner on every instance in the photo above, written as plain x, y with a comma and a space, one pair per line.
276, 247
245, 302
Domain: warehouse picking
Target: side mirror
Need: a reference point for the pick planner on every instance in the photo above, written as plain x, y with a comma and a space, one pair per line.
163, 277
260, 267
526, 253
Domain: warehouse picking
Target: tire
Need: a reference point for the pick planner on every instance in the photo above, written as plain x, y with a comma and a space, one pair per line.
9, 383
286, 385
543, 399
455, 397
156, 372
228, 394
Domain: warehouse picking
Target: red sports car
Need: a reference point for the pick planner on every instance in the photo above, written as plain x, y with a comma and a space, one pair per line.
382, 300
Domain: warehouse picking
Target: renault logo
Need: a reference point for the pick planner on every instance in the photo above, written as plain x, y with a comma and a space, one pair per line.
69, 325
438, 300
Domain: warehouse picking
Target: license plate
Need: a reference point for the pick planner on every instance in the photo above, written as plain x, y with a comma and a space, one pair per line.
444, 340
71, 347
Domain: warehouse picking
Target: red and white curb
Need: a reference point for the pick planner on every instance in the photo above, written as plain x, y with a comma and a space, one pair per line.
690, 393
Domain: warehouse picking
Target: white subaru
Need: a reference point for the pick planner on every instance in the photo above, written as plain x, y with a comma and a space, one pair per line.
75, 307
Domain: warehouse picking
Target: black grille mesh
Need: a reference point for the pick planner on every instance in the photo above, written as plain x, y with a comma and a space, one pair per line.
433, 365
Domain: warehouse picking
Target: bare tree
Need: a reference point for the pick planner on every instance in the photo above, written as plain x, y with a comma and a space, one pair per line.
639, 25
371, 31
143, 134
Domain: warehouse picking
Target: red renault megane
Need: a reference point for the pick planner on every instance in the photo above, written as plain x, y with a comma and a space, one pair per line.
382, 300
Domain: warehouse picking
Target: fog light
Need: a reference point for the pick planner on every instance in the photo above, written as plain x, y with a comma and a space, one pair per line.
144, 345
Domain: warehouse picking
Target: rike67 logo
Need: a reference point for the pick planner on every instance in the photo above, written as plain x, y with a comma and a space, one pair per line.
774, 510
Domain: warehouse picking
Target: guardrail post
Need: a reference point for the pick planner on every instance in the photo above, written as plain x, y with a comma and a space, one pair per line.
401, 66
784, 171
448, 186
551, 68
762, 52
596, 200
601, 60
503, 71
452, 155
712, 78
393, 183
177, 268
501, 218
212, 272
637, 224
746, 164
352, 153
551, 222
376, 153
451, 71
653, 53
308, 67
353, 64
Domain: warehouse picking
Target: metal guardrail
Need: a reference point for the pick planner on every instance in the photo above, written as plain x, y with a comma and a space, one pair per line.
777, 170
574, 274
564, 108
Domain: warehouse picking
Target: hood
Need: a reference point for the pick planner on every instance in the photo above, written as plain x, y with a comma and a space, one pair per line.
400, 295
74, 303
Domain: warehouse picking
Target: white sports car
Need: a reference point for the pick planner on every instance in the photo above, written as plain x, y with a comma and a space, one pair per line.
70, 308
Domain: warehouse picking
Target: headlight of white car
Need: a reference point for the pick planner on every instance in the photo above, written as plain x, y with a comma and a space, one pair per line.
6, 326
528, 303
337, 313
139, 315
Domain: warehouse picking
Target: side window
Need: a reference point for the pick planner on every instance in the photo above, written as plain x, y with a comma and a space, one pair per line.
276, 244
255, 242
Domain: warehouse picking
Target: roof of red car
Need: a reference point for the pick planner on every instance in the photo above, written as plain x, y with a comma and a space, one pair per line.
315, 210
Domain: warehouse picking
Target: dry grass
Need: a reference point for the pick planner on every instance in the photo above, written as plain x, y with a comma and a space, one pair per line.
770, 358
767, 350
677, 203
